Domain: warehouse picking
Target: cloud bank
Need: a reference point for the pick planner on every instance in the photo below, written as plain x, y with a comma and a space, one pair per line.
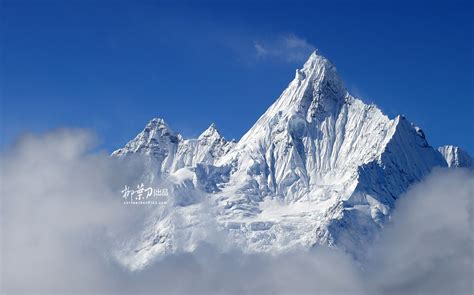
428, 248
61, 215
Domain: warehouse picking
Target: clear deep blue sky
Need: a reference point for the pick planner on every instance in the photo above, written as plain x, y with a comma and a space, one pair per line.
112, 65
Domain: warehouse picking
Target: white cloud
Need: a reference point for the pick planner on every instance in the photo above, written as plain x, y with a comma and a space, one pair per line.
59, 202
428, 249
261, 51
290, 48
61, 216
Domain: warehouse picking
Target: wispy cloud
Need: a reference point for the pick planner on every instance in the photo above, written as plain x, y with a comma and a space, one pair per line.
289, 47
261, 51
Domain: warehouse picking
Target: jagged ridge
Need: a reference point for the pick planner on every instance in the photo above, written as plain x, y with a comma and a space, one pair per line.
318, 167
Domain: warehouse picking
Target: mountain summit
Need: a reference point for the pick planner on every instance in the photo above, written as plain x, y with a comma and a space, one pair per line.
315, 91
318, 167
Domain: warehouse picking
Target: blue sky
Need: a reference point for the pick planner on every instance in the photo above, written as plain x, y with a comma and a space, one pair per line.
112, 65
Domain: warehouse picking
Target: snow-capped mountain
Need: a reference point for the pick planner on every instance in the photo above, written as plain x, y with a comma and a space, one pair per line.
456, 157
169, 152
319, 167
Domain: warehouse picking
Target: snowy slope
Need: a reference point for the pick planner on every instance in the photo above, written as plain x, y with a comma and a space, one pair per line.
170, 152
456, 157
318, 167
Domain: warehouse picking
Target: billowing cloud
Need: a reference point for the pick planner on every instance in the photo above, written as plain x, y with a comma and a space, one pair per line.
428, 248
290, 48
59, 203
61, 216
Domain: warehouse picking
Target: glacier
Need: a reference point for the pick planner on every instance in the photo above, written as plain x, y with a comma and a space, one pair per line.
319, 167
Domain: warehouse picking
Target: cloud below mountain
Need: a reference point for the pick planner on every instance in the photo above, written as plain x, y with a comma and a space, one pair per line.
61, 214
